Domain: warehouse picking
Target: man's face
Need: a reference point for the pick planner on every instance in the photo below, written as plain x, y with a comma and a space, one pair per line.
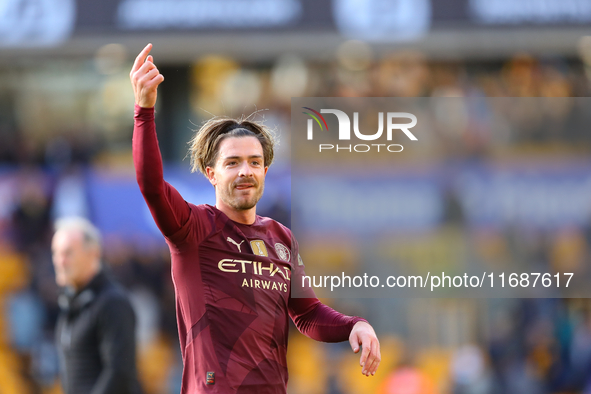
239, 172
73, 260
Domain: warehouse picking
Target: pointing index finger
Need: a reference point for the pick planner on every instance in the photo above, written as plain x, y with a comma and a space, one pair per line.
141, 58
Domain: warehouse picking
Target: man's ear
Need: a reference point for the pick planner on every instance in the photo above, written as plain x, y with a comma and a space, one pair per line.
210, 175
266, 169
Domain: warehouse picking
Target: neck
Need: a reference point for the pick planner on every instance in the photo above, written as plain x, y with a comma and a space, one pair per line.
84, 281
247, 216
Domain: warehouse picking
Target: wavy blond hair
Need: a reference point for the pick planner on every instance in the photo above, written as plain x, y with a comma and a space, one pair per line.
204, 146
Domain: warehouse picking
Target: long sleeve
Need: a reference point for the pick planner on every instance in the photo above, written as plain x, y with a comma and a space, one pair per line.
311, 317
168, 208
320, 322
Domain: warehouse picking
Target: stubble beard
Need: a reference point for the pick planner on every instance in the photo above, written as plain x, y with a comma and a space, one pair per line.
239, 203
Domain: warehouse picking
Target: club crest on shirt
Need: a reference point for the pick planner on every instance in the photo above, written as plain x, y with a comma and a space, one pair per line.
282, 251
259, 248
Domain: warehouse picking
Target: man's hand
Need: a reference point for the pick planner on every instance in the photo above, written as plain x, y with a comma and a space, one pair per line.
364, 335
145, 79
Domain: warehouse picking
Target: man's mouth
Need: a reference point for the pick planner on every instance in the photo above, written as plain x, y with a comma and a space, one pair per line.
244, 186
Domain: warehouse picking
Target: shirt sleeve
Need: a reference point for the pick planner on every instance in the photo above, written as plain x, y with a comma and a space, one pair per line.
116, 336
311, 317
320, 322
169, 210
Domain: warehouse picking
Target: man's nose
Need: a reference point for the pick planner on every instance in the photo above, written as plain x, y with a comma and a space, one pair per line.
245, 169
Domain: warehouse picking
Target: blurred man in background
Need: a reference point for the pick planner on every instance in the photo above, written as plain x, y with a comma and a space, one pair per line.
96, 327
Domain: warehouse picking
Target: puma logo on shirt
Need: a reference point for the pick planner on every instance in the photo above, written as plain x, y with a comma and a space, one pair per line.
234, 242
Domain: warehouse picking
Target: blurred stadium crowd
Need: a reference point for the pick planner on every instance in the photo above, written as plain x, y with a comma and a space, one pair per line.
62, 122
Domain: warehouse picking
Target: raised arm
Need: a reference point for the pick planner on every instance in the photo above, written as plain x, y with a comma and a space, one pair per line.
169, 209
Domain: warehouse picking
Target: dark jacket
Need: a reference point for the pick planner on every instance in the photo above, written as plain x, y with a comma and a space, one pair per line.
96, 340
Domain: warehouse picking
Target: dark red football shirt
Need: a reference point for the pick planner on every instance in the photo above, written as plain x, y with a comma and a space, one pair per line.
233, 286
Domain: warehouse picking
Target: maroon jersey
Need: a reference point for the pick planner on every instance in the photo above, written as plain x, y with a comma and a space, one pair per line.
233, 286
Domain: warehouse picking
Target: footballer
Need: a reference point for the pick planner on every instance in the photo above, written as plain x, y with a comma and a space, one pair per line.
231, 268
